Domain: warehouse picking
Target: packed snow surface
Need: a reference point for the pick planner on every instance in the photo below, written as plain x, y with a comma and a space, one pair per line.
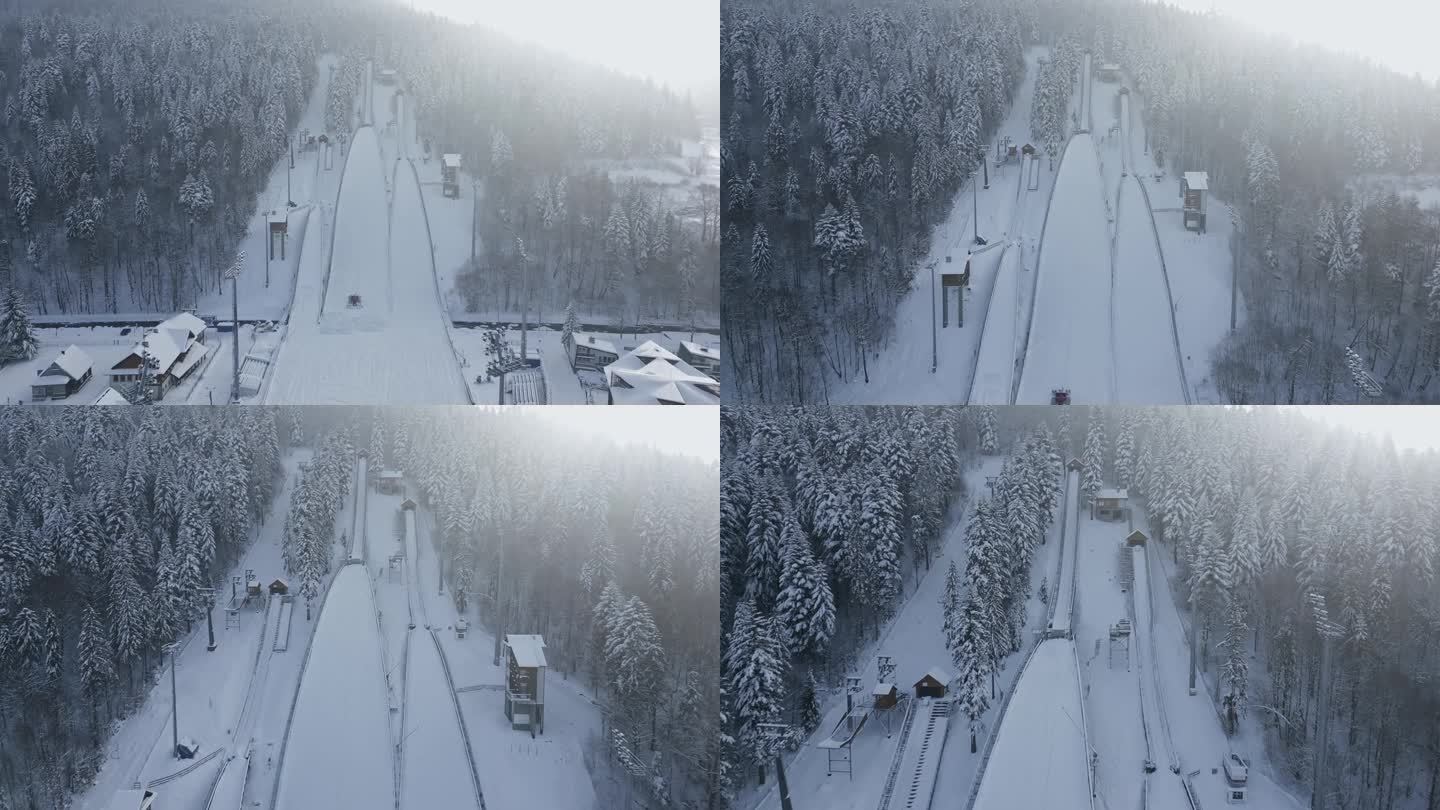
338, 751
435, 771
994, 379
1070, 337
1064, 585
1039, 758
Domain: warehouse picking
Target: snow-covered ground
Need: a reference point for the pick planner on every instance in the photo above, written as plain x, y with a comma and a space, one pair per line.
1008, 210
914, 639
1070, 342
1145, 350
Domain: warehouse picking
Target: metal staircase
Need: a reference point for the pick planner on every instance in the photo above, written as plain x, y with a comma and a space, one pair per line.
939, 711
899, 754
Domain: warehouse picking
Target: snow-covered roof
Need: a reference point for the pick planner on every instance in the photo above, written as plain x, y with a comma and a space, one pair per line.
193, 355
940, 676
587, 339
884, 688
391, 474
73, 362
529, 650
185, 321
51, 379
111, 397
647, 376
701, 350
1197, 181
1113, 494
276, 216
451, 160
1109, 66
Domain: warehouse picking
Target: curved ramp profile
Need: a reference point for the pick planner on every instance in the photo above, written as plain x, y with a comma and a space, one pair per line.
1069, 345
337, 752
436, 771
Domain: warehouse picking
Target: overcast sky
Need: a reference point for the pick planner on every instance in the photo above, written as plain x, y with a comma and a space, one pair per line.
675, 42
692, 430
1399, 34
1409, 426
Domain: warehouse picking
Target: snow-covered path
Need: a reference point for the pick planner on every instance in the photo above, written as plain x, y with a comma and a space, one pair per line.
1070, 338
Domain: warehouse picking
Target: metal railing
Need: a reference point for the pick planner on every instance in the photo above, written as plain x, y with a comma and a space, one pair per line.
899, 754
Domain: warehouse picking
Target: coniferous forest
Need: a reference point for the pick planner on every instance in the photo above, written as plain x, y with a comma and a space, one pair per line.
111, 523
114, 522
1279, 533
847, 134
133, 143
850, 131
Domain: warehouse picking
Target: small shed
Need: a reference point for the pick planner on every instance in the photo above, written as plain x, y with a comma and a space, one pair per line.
1108, 72
252, 588
408, 504
187, 748
279, 586
1136, 538
1194, 188
1027, 149
932, 684
387, 76
1110, 504
389, 481
1074, 465
65, 375
886, 695
450, 174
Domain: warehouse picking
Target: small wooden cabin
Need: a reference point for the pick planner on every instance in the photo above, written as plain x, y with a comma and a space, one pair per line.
1110, 504
65, 375
932, 684
886, 695
389, 481
1136, 538
280, 586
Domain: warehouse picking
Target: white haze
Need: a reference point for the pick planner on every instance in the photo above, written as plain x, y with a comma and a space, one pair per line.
1399, 34
674, 42
1410, 427
685, 430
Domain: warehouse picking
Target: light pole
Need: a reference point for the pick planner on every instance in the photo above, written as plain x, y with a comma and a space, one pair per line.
233, 273
934, 335
173, 648
776, 730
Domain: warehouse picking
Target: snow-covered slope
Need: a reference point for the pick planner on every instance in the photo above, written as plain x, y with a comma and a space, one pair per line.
1145, 350
1040, 758
435, 771
1070, 339
994, 379
338, 751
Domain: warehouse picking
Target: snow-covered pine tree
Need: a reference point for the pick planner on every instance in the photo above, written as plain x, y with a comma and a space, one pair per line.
988, 441
972, 657
805, 606
17, 336
1092, 461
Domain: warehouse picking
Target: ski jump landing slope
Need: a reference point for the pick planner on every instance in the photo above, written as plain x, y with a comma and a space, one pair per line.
338, 752
1064, 607
1039, 757
1147, 350
1070, 337
994, 379
392, 348
435, 771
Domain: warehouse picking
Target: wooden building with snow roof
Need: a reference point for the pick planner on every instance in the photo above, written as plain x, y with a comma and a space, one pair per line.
525, 682
65, 375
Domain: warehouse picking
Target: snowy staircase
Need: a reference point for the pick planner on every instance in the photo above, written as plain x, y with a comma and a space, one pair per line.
922, 783
899, 754
282, 626
1127, 568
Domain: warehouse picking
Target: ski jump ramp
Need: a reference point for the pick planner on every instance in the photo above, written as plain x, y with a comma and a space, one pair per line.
1070, 330
994, 378
338, 748
374, 329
